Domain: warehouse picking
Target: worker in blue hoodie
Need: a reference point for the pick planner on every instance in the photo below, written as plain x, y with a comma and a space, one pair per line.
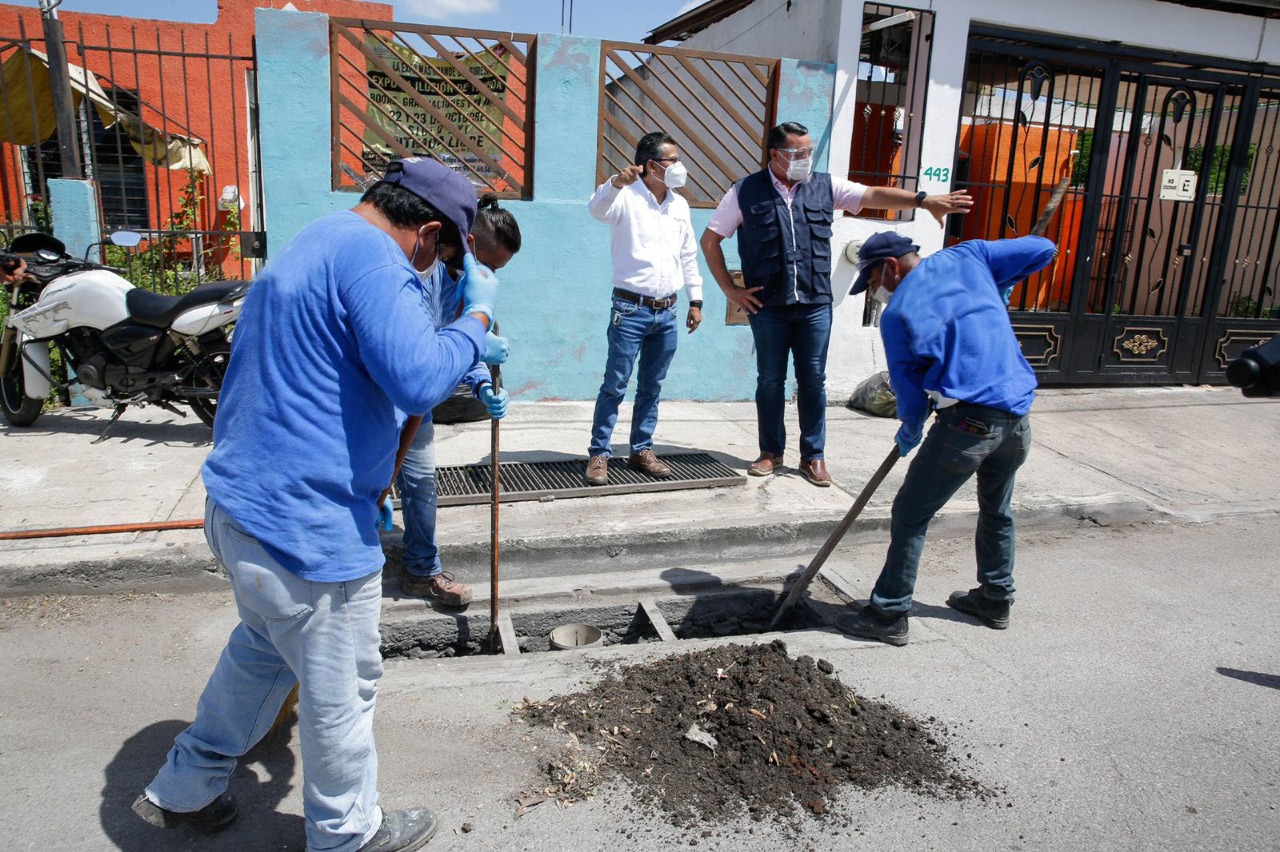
951, 350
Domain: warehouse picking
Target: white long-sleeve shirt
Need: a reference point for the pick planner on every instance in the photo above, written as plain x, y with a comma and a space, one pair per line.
655, 252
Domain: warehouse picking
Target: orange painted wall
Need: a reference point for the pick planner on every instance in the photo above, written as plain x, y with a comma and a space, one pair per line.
1042, 158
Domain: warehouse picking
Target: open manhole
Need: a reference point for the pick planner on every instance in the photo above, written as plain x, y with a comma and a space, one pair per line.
734, 611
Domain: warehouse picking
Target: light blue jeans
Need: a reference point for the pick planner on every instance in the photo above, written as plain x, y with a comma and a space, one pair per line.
653, 335
964, 440
321, 635
418, 500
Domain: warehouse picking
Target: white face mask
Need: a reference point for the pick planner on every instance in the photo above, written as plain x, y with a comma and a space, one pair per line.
675, 175
423, 273
799, 170
881, 294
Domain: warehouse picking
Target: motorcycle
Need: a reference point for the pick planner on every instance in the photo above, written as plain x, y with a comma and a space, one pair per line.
126, 345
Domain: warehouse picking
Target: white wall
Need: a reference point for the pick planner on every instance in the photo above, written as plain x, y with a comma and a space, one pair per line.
830, 30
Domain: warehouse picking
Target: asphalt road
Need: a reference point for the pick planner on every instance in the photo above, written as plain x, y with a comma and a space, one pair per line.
1131, 705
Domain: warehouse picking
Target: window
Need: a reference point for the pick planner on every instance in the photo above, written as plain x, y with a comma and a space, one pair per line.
893, 76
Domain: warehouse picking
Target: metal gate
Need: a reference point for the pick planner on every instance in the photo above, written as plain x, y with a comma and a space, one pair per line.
1167, 240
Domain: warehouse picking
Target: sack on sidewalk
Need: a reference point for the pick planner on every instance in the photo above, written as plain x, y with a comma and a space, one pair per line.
875, 396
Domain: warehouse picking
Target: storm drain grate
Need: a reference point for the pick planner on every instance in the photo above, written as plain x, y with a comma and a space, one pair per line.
470, 484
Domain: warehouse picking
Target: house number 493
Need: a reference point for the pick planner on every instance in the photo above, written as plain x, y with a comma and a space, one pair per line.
938, 173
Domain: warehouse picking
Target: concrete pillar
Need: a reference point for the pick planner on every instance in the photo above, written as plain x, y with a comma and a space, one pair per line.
73, 205
566, 126
805, 94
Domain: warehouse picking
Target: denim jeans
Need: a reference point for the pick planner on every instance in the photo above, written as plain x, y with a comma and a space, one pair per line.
323, 636
803, 331
652, 334
964, 440
418, 499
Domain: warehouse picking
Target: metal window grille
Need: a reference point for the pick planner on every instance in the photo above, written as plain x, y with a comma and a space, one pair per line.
462, 96
893, 77
719, 108
170, 159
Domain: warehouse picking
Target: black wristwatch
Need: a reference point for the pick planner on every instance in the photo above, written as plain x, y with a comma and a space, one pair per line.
695, 303
920, 197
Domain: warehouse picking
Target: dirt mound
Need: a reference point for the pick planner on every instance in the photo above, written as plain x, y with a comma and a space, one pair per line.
704, 734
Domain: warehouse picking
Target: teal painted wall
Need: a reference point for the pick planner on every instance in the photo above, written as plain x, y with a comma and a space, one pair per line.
554, 302
73, 204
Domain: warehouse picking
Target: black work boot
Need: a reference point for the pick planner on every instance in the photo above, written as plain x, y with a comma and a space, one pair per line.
994, 614
871, 623
215, 816
402, 831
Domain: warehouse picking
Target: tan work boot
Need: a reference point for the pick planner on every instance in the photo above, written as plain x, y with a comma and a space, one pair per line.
647, 461
598, 470
439, 587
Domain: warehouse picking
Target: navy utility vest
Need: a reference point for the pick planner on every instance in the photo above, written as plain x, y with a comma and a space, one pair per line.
786, 250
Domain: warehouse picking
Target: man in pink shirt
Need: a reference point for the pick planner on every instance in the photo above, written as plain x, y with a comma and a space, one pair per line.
783, 216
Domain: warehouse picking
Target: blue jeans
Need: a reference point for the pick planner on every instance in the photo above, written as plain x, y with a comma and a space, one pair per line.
323, 636
803, 331
418, 500
964, 440
634, 329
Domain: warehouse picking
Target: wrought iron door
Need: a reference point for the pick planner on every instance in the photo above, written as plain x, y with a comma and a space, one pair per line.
1168, 238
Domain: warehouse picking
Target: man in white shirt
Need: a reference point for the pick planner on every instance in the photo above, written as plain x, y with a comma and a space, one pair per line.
654, 255
783, 216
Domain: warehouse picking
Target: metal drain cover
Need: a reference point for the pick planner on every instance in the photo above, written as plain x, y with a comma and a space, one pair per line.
471, 484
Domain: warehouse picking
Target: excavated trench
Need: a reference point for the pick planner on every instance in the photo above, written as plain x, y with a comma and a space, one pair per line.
731, 611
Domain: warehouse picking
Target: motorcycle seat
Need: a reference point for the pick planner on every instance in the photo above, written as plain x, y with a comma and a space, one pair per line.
159, 311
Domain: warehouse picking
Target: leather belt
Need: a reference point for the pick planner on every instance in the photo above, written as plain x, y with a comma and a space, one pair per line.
644, 301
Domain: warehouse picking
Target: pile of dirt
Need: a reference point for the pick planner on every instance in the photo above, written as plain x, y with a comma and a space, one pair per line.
704, 734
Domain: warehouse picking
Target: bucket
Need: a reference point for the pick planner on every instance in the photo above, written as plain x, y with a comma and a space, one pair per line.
569, 636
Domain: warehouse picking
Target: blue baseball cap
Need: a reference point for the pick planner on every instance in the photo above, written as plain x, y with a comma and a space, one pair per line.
876, 250
440, 186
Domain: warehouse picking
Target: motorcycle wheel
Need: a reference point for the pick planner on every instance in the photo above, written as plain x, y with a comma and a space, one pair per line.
209, 371
18, 409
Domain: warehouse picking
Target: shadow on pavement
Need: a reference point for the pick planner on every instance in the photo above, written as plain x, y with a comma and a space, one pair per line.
188, 431
1256, 678
261, 782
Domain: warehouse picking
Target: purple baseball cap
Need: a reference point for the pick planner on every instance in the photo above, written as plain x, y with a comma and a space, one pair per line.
440, 186
876, 250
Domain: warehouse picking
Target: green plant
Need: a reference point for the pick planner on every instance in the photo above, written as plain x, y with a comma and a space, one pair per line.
1242, 305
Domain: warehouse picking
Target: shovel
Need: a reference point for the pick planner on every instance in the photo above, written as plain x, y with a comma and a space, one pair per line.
815, 565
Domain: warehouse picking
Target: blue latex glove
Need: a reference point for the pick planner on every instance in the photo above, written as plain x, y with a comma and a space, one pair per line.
496, 403
479, 287
1006, 292
908, 437
496, 349
384, 516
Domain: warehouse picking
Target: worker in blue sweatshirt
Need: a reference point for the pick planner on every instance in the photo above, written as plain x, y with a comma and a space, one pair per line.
951, 349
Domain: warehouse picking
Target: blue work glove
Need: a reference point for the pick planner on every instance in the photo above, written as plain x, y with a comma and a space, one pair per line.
384, 516
496, 349
908, 437
496, 403
479, 287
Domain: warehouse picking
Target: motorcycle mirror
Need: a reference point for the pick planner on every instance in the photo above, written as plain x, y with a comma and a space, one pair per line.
126, 239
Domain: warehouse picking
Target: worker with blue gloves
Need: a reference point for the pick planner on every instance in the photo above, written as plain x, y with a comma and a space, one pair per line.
951, 349
495, 237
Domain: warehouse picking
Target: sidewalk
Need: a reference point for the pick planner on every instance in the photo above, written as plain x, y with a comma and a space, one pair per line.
1114, 455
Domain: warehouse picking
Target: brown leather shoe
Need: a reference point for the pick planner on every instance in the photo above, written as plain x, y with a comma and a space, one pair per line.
598, 470
766, 465
647, 461
439, 587
815, 470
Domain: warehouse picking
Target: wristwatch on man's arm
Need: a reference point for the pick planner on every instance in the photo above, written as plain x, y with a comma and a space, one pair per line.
920, 197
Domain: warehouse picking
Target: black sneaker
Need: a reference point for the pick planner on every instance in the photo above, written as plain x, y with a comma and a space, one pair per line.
215, 816
402, 831
872, 624
994, 614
